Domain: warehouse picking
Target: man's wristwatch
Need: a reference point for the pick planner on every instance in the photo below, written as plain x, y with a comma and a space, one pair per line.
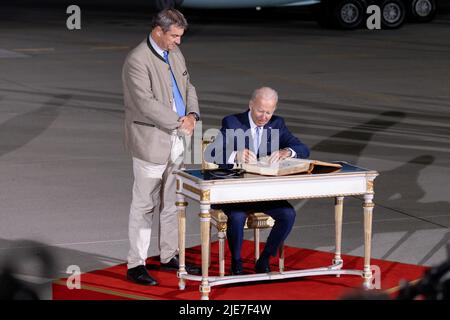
196, 116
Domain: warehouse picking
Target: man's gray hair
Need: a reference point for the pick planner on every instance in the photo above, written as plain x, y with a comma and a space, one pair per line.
265, 93
169, 17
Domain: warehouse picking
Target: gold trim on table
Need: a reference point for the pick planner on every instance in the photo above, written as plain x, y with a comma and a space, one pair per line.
370, 186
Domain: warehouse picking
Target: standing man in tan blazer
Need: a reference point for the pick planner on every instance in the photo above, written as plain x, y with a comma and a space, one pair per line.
160, 106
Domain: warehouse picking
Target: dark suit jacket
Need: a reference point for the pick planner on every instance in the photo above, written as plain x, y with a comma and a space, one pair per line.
235, 135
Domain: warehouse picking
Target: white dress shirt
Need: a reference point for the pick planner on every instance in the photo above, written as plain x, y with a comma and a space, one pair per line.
161, 53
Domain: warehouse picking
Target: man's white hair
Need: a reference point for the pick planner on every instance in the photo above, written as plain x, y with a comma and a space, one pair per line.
265, 93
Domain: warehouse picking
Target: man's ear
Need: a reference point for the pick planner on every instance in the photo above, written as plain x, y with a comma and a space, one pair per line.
158, 31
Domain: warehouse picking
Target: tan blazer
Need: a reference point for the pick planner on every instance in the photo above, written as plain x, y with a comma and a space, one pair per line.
147, 88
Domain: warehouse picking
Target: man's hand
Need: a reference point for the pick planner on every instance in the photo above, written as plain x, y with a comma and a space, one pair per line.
279, 155
187, 125
245, 156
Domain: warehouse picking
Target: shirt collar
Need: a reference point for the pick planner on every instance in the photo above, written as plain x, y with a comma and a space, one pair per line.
250, 120
156, 47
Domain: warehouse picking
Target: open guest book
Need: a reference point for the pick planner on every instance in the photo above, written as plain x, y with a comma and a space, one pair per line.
286, 166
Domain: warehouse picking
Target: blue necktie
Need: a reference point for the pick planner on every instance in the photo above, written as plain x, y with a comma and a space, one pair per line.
179, 103
257, 129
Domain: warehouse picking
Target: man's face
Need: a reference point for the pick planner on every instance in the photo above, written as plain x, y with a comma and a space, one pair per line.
170, 39
261, 110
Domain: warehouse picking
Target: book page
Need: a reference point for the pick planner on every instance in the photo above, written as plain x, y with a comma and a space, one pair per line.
285, 167
326, 164
264, 162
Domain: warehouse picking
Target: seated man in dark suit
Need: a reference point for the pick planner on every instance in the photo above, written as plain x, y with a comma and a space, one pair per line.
245, 137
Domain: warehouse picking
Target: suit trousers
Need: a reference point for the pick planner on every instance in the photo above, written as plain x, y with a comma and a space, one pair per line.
281, 211
154, 188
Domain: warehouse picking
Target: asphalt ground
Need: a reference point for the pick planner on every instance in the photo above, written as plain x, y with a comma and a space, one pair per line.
378, 99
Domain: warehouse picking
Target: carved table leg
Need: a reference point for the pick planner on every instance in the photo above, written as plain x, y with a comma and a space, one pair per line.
222, 237
368, 210
256, 243
338, 209
205, 223
209, 245
181, 206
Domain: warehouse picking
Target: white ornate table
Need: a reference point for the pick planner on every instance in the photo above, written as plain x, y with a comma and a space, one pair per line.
203, 187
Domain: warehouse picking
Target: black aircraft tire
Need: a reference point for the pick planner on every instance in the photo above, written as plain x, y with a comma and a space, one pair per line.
422, 10
349, 14
393, 14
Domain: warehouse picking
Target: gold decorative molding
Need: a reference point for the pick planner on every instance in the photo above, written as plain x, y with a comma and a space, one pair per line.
205, 288
221, 226
219, 219
204, 215
259, 220
192, 189
206, 195
181, 203
368, 205
370, 186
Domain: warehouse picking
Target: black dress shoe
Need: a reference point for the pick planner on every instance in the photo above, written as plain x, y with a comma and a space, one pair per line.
262, 266
140, 275
174, 264
236, 268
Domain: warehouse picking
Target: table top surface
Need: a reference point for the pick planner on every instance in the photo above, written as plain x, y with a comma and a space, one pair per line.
239, 174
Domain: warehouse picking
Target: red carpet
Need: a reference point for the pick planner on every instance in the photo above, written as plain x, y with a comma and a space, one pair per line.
110, 283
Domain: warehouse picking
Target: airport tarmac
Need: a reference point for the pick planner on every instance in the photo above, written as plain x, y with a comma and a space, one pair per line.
379, 99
